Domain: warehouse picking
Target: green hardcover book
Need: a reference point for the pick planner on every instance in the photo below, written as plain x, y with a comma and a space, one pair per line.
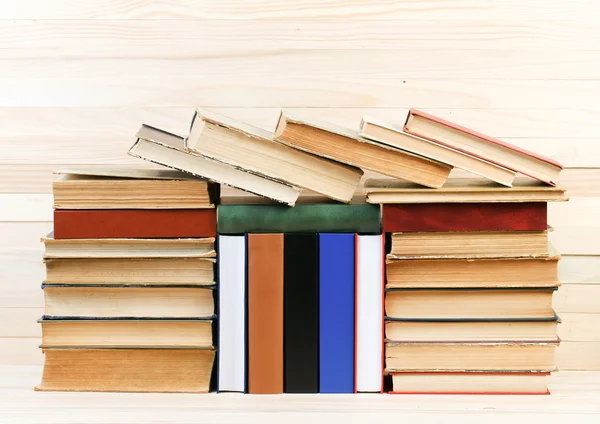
239, 219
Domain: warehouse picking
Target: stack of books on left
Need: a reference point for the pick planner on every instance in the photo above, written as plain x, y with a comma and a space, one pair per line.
130, 278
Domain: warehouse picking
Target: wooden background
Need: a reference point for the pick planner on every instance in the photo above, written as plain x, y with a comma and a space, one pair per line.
77, 78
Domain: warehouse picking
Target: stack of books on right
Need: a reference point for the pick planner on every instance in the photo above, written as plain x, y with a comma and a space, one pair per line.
470, 273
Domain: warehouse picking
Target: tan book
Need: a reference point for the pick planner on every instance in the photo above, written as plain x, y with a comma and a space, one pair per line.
381, 132
463, 190
344, 145
141, 271
469, 245
127, 370
254, 149
483, 356
128, 302
90, 333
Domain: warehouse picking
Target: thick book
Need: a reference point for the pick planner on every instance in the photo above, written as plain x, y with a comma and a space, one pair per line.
127, 370
301, 313
482, 146
134, 223
376, 130
325, 218
345, 145
232, 314
167, 149
426, 217
266, 313
336, 313
254, 149
369, 313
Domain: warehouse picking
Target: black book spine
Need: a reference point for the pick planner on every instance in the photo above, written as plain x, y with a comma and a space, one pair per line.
301, 313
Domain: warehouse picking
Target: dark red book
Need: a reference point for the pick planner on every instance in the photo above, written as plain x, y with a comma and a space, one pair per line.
135, 223
422, 217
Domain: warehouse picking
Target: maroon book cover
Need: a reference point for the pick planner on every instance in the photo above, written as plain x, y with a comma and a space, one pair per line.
135, 223
422, 217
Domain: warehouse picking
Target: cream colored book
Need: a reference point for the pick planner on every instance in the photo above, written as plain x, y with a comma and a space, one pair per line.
381, 132
254, 149
345, 145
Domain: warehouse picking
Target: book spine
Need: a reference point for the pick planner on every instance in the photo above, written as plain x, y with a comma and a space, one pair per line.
425, 217
301, 320
134, 223
336, 313
307, 218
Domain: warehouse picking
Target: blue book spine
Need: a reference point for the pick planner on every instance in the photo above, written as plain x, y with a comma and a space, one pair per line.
336, 313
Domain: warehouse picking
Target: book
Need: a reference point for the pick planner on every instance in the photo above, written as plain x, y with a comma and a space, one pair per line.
254, 149
76, 191
127, 370
468, 383
426, 217
128, 271
232, 314
336, 313
441, 304
128, 302
470, 245
472, 356
489, 273
345, 146
482, 146
462, 190
163, 148
96, 333
332, 218
471, 330
376, 130
128, 248
301, 313
369, 313
266, 314
134, 223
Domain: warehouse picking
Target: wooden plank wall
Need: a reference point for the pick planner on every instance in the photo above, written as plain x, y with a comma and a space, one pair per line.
77, 79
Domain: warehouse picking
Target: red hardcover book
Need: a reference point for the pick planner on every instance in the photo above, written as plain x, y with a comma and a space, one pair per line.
439, 217
135, 223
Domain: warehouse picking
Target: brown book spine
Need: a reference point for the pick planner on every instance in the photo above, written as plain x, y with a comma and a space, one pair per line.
265, 313
135, 223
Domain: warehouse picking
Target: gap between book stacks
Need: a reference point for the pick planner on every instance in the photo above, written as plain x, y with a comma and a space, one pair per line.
157, 283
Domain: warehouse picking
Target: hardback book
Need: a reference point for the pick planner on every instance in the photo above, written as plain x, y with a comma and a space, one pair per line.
345, 145
471, 329
301, 313
232, 314
462, 190
127, 271
167, 149
482, 146
369, 313
488, 273
471, 356
128, 302
325, 218
76, 191
128, 248
441, 304
127, 370
469, 244
469, 383
336, 312
266, 316
134, 223
104, 333
254, 149
376, 130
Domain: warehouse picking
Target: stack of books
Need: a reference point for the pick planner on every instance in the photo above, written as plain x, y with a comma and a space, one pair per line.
130, 279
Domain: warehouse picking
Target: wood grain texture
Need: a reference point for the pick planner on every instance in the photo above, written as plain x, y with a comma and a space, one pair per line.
578, 356
578, 298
